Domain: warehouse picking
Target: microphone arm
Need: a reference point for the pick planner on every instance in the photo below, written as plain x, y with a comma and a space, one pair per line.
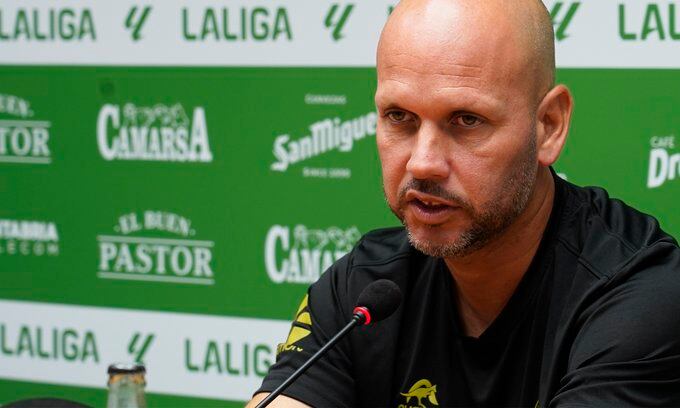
361, 316
376, 302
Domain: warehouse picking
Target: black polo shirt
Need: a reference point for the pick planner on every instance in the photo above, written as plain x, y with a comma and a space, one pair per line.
595, 321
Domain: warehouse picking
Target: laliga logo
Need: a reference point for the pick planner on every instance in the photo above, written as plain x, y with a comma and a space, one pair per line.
662, 165
303, 258
152, 133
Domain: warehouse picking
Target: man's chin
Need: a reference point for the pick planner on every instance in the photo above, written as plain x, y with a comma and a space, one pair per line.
442, 233
434, 241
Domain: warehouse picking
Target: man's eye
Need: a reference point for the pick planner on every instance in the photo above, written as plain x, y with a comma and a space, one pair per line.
397, 116
467, 121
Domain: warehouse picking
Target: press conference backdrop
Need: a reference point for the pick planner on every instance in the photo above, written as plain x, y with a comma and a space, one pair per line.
174, 174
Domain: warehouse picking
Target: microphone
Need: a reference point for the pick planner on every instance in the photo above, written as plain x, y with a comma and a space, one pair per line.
376, 302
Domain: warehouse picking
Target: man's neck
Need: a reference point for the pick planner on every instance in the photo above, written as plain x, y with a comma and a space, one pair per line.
486, 279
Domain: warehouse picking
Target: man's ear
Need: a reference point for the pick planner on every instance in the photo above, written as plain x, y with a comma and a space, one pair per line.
552, 125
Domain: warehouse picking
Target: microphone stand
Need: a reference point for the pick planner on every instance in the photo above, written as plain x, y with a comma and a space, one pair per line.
357, 319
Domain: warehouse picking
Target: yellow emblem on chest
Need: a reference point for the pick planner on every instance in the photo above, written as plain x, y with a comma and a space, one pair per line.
421, 389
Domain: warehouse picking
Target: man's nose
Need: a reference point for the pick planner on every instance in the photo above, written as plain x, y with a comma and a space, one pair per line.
428, 156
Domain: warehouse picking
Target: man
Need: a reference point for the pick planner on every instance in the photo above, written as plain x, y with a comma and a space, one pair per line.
520, 289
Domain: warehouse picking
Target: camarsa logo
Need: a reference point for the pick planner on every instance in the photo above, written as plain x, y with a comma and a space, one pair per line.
325, 135
28, 237
664, 162
23, 138
300, 254
153, 133
155, 246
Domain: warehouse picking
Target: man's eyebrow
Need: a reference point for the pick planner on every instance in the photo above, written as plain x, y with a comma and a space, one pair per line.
388, 100
476, 98
391, 105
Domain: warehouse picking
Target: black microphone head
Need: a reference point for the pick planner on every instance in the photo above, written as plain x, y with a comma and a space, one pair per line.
381, 298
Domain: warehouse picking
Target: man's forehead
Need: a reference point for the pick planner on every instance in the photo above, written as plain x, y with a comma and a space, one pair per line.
444, 74
461, 94
435, 66
469, 38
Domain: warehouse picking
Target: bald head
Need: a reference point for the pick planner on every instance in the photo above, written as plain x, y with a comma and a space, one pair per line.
516, 35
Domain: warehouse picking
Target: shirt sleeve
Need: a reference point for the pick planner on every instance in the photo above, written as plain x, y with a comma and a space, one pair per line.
626, 350
322, 313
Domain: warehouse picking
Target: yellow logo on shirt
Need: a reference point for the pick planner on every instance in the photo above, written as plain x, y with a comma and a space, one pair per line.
421, 389
302, 326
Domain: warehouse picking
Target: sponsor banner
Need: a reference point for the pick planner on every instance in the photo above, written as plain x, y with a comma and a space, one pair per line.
664, 161
152, 133
28, 238
178, 33
300, 255
324, 136
175, 177
24, 136
589, 33
185, 354
153, 257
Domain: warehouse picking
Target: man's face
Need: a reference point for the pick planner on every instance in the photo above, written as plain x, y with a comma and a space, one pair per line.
456, 138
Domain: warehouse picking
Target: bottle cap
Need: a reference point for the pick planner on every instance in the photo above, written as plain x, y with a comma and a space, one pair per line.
122, 368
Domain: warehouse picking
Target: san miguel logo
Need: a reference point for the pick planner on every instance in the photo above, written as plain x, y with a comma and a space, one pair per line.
664, 164
153, 133
326, 135
23, 138
28, 237
155, 246
301, 254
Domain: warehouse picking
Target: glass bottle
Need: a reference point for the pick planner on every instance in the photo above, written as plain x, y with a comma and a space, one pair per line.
126, 386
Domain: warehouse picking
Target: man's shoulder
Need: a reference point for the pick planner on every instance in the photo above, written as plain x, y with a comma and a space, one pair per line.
614, 301
607, 235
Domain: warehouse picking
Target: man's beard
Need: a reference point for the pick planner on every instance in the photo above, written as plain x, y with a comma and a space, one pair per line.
488, 222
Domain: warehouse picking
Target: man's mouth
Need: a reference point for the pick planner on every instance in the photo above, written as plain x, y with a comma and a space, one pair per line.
428, 206
429, 209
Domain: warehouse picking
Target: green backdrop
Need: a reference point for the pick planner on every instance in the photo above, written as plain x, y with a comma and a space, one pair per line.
144, 217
